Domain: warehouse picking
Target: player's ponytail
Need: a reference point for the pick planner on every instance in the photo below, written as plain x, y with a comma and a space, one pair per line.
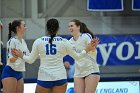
10, 31
52, 28
51, 39
84, 29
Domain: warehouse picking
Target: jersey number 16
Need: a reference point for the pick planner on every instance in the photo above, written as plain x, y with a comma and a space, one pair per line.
50, 49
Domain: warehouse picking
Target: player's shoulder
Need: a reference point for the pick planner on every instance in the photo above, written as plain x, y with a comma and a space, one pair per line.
64, 40
58, 38
86, 35
71, 39
43, 38
12, 39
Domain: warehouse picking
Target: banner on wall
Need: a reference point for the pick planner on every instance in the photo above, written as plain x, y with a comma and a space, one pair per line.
119, 50
105, 5
136, 5
112, 87
103, 87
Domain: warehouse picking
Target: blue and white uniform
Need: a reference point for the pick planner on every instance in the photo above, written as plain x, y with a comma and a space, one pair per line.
86, 65
16, 68
51, 57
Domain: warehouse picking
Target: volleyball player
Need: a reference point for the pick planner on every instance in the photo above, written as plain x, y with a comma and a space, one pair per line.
51, 49
87, 75
12, 77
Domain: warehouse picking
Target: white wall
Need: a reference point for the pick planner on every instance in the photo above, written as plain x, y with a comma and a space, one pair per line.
35, 28
12, 8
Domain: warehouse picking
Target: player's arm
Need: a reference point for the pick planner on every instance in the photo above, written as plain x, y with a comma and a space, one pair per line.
33, 55
27, 50
28, 58
68, 49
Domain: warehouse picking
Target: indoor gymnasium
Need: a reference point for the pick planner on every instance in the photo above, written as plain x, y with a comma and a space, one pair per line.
70, 46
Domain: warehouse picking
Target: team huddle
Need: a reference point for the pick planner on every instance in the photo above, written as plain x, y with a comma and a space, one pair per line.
50, 49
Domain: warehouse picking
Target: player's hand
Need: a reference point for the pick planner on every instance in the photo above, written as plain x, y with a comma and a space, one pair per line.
13, 51
67, 64
92, 45
95, 41
17, 53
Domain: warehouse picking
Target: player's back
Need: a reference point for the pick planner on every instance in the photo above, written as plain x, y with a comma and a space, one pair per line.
50, 54
51, 58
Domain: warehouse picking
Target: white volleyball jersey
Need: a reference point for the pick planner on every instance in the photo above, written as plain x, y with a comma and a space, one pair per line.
87, 64
19, 64
51, 57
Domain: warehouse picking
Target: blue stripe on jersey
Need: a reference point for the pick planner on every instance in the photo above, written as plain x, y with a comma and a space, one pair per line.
9, 42
8, 50
89, 35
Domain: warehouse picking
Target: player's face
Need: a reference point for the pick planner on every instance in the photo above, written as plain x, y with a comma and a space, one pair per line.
22, 28
74, 29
